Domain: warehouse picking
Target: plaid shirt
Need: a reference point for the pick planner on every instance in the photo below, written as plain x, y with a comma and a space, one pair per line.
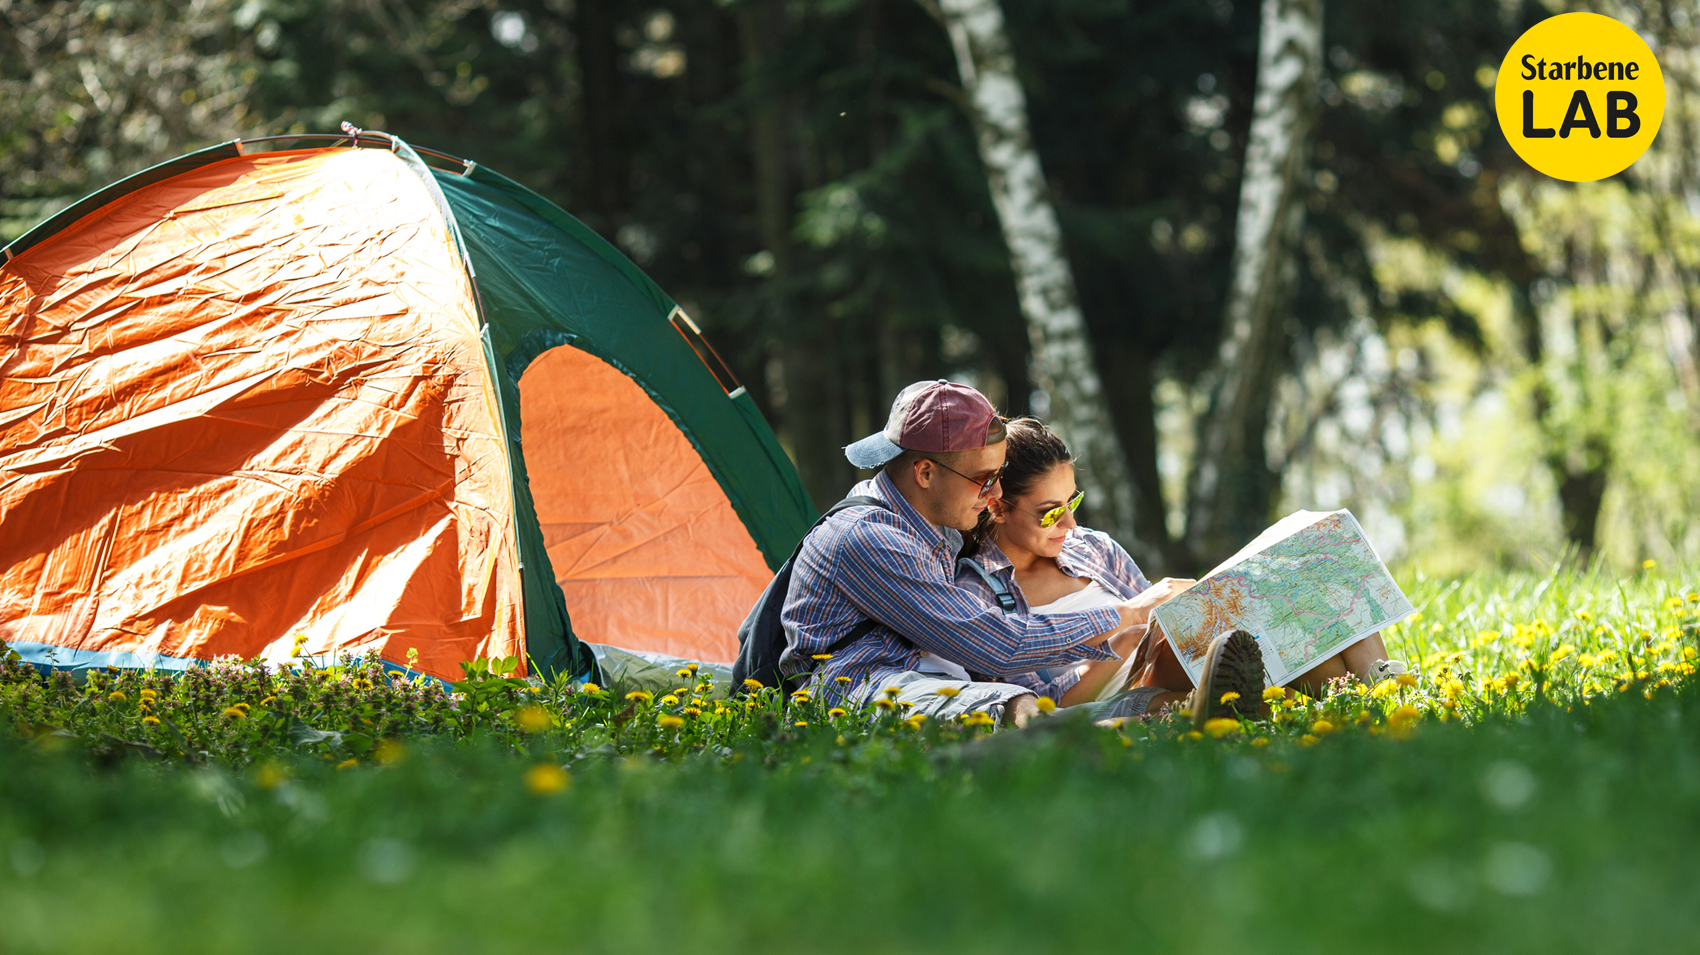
893, 566
1086, 553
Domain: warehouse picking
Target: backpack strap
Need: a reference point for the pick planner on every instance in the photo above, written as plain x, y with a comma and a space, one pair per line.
1006, 600
865, 627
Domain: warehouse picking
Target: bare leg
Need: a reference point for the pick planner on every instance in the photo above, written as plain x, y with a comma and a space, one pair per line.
1362, 656
1315, 681
1018, 711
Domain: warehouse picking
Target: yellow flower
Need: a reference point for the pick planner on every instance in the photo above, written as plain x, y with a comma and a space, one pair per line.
270, 775
1402, 717
1406, 679
533, 719
947, 691
1046, 704
841, 679
151, 720
1322, 727
348, 764
1307, 740
149, 695
235, 713
117, 696
1384, 689
884, 704
1194, 735
1227, 698
914, 722
752, 685
835, 712
891, 692
1221, 726
977, 719
840, 741
1584, 616
1689, 653
906, 704
268, 701
388, 752
823, 657
300, 641
591, 689
801, 696
547, 779
1562, 652
693, 711
1260, 742
640, 696
1274, 693
801, 723
669, 700
683, 674
1649, 564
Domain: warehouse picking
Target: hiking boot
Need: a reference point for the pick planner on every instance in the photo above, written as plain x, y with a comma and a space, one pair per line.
1233, 663
1386, 670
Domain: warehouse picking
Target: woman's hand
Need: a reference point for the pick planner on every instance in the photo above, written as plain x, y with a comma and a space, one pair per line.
1138, 610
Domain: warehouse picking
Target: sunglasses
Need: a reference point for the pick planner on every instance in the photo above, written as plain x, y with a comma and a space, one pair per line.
986, 483
1050, 517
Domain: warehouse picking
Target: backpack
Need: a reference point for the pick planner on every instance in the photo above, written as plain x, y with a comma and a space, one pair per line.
761, 637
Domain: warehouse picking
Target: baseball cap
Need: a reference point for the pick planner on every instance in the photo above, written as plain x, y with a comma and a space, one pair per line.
935, 416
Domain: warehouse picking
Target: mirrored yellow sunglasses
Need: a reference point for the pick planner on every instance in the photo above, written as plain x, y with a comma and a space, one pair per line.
1050, 517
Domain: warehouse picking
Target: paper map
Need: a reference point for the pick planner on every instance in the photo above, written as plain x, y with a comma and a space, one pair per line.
1307, 587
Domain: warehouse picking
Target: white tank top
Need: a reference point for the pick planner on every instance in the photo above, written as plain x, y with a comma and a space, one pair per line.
1090, 597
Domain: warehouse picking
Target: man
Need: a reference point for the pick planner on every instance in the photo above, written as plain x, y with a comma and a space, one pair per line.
940, 456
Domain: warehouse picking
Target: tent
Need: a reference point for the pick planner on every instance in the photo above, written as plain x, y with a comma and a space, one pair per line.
363, 398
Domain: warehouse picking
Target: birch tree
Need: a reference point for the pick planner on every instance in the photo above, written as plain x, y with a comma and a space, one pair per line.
1232, 484
1063, 365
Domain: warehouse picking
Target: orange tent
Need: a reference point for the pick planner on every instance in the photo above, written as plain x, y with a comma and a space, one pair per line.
342, 401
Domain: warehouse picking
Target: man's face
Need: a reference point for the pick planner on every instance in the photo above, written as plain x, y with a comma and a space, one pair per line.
952, 500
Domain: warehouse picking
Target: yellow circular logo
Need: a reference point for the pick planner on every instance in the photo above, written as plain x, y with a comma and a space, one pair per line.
1580, 96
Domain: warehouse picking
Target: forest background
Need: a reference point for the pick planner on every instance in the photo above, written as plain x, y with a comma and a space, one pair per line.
1389, 311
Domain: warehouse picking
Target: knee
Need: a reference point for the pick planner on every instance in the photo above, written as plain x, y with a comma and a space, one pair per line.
1018, 711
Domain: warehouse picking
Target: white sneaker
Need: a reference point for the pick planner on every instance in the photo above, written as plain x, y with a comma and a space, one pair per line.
1386, 670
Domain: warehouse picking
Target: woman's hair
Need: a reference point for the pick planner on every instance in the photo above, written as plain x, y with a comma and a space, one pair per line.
1032, 451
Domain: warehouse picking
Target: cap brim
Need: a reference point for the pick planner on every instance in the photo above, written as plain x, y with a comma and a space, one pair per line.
872, 451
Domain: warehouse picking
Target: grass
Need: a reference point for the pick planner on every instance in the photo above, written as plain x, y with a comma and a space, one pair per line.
1554, 812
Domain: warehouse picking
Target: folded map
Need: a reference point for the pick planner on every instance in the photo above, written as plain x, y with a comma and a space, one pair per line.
1306, 588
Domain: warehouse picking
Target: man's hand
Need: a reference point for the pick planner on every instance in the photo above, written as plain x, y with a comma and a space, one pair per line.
1138, 610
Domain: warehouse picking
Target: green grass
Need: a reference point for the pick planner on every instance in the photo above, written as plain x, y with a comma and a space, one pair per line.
1547, 815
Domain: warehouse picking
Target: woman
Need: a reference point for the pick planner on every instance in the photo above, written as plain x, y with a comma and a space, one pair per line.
1029, 543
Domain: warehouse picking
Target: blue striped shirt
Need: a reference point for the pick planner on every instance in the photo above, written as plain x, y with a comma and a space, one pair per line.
1087, 554
893, 566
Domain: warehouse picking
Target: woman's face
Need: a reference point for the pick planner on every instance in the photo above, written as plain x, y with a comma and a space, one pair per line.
1018, 520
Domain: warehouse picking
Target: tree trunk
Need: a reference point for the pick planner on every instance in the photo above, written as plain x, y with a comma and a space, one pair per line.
1233, 487
1063, 366
599, 71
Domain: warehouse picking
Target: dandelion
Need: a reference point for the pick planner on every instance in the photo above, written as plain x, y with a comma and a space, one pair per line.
891, 692
640, 696
914, 722
270, 775
1584, 616
1221, 726
906, 704
388, 752
801, 696
1406, 679
683, 674
590, 689
1260, 742
547, 779
235, 713
1228, 697
1606, 658
1402, 718
149, 694
1274, 693
668, 721
1046, 704
300, 641
977, 719
885, 705
947, 691
753, 685
1384, 689
348, 764
1194, 735
1307, 740
669, 700
835, 712
1689, 653
151, 720
117, 696
1322, 727
1562, 653
268, 701
694, 667
820, 657
533, 719
801, 723
693, 711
